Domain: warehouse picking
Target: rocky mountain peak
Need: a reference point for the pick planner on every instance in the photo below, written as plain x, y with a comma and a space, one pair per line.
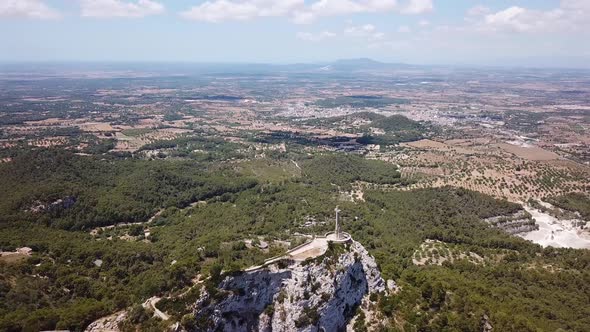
320, 294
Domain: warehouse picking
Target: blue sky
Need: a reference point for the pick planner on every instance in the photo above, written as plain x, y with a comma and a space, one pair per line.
286, 31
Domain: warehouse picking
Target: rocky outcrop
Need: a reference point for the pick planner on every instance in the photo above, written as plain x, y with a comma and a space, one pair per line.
108, 323
485, 324
317, 295
53, 207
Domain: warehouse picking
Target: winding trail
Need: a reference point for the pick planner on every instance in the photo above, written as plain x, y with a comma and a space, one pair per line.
95, 231
151, 304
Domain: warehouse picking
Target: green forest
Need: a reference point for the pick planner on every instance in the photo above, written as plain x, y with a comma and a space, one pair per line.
343, 170
360, 101
576, 202
200, 213
394, 128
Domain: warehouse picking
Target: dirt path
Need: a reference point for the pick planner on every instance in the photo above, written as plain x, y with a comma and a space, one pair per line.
151, 304
155, 216
95, 231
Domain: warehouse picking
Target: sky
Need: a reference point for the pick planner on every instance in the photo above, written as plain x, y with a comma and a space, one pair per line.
487, 32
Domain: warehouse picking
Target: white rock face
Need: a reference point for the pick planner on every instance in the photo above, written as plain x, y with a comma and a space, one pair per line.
108, 323
321, 295
557, 233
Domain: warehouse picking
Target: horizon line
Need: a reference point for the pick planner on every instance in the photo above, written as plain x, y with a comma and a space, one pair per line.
271, 63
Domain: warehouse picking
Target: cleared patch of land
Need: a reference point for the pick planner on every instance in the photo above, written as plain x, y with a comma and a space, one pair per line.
480, 165
433, 252
557, 233
529, 153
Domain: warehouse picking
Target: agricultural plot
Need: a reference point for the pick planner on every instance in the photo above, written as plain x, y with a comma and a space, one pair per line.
489, 169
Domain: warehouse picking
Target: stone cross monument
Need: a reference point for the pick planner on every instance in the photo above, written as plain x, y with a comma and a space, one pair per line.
337, 230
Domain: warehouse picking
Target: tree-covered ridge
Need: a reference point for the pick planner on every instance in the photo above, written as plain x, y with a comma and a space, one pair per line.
391, 225
342, 170
395, 123
395, 129
103, 192
518, 285
61, 287
360, 101
375, 128
366, 120
576, 202
196, 147
348, 119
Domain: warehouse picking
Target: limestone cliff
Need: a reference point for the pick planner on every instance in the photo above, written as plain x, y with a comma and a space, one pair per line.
316, 295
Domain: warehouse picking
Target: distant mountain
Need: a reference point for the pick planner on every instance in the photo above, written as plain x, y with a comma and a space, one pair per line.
363, 64
358, 62
342, 66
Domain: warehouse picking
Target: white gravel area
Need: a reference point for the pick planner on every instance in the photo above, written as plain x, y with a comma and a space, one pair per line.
556, 233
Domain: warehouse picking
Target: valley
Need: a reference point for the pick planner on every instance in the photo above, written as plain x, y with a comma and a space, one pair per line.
202, 198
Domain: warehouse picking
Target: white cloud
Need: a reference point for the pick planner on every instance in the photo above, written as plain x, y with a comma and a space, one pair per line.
118, 8
315, 37
570, 16
390, 44
513, 18
297, 10
488, 35
575, 4
418, 7
424, 23
224, 10
377, 36
368, 31
325, 8
360, 30
404, 29
27, 9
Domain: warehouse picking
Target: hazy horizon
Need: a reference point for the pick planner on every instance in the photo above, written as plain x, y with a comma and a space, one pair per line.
547, 33
579, 63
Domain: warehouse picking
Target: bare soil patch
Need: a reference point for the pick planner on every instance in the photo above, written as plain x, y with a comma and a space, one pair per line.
529, 153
